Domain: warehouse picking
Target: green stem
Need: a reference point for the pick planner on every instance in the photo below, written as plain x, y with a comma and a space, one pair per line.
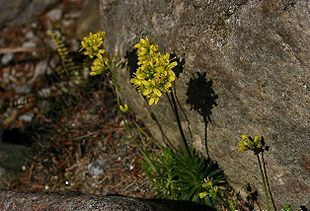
153, 116
176, 112
140, 136
114, 81
267, 182
184, 113
264, 182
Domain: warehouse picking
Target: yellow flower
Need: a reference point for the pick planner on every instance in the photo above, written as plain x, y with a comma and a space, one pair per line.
257, 141
207, 183
203, 195
154, 75
100, 65
145, 50
210, 190
244, 137
124, 108
153, 100
93, 47
242, 146
248, 143
93, 44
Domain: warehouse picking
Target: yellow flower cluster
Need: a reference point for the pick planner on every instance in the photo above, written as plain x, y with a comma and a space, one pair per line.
124, 108
154, 75
93, 47
211, 190
249, 143
93, 44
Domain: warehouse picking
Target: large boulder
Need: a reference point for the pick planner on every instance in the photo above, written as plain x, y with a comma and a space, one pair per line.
70, 201
246, 71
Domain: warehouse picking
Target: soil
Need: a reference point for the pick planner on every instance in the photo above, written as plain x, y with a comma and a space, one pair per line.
81, 142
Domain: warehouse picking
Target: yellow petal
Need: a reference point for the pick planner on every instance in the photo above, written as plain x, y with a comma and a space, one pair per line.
173, 64
146, 92
135, 81
159, 69
257, 139
167, 85
203, 194
124, 108
172, 77
157, 92
244, 137
151, 101
146, 83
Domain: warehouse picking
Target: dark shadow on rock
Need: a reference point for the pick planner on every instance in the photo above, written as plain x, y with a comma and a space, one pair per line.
181, 205
251, 198
132, 61
202, 98
166, 204
180, 66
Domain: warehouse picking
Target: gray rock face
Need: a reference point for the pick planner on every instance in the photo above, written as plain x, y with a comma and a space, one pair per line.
89, 21
22, 10
256, 56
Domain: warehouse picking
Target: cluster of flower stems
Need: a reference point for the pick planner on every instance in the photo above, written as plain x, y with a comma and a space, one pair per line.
153, 78
258, 147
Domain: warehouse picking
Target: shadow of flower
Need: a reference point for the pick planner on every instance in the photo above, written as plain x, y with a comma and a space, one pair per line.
202, 98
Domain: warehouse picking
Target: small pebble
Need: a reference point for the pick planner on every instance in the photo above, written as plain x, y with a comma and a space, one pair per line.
67, 23
96, 169
131, 167
122, 123
7, 58
55, 14
73, 15
29, 44
29, 35
34, 25
26, 117
40, 69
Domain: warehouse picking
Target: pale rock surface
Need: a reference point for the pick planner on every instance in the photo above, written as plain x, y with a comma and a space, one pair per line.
257, 54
